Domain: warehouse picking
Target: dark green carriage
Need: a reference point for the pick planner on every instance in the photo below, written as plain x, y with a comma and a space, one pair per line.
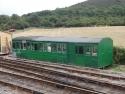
81, 51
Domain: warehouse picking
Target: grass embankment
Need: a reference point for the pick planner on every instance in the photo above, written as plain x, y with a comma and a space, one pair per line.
117, 33
119, 60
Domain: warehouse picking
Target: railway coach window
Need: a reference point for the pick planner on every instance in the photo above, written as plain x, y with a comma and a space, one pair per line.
31, 46
44, 47
28, 45
88, 51
79, 49
61, 48
94, 51
24, 46
49, 47
41, 46
36, 47
18, 45
54, 47
14, 45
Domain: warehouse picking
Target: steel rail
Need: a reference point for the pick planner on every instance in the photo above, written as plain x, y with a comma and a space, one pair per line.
50, 83
72, 69
103, 83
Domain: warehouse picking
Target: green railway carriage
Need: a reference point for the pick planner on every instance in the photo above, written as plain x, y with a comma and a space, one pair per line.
81, 51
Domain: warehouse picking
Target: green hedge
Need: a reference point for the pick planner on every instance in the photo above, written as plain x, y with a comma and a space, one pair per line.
119, 55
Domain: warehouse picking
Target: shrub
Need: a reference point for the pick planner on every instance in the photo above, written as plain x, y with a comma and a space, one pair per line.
119, 55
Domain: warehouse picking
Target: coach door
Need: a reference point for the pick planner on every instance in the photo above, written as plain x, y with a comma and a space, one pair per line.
84, 55
79, 55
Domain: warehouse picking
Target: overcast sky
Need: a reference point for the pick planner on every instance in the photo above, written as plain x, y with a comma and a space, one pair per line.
20, 7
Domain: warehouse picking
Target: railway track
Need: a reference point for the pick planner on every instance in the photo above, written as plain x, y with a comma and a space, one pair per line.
11, 89
26, 78
43, 86
46, 71
83, 90
16, 88
74, 70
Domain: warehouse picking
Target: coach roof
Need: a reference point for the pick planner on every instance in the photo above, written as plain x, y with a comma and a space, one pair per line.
61, 39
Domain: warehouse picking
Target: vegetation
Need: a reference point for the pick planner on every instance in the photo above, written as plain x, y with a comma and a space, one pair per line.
117, 68
119, 60
13, 22
119, 55
88, 13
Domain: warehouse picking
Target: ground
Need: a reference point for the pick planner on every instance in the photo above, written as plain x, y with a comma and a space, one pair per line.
117, 68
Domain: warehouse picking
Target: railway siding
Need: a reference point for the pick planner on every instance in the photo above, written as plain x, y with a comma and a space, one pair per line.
36, 85
67, 76
45, 77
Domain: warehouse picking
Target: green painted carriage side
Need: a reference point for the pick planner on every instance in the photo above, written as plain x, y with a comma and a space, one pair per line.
40, 55
71, 53
70, 57
102, 59
87, 60
105, 53
45, 56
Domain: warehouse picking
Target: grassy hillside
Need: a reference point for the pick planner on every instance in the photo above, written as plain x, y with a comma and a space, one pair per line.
88, 13
102, 3
117, 33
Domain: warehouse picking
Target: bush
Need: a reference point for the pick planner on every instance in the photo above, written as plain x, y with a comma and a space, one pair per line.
119, 55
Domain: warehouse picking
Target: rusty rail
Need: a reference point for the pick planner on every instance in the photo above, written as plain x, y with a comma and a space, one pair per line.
25, 65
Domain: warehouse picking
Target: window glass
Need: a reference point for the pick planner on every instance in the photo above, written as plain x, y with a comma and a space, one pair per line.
48, 47
14, 45
61, 48
44, 47
76, 49
18, 45
94, 51
79, 49
54, 47
64, 48
36, 47
24, 46
88, 50
32, 46
28, 45
41, 46
21, 45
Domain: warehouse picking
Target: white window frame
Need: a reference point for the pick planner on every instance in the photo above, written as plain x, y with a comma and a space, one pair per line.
94, 50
